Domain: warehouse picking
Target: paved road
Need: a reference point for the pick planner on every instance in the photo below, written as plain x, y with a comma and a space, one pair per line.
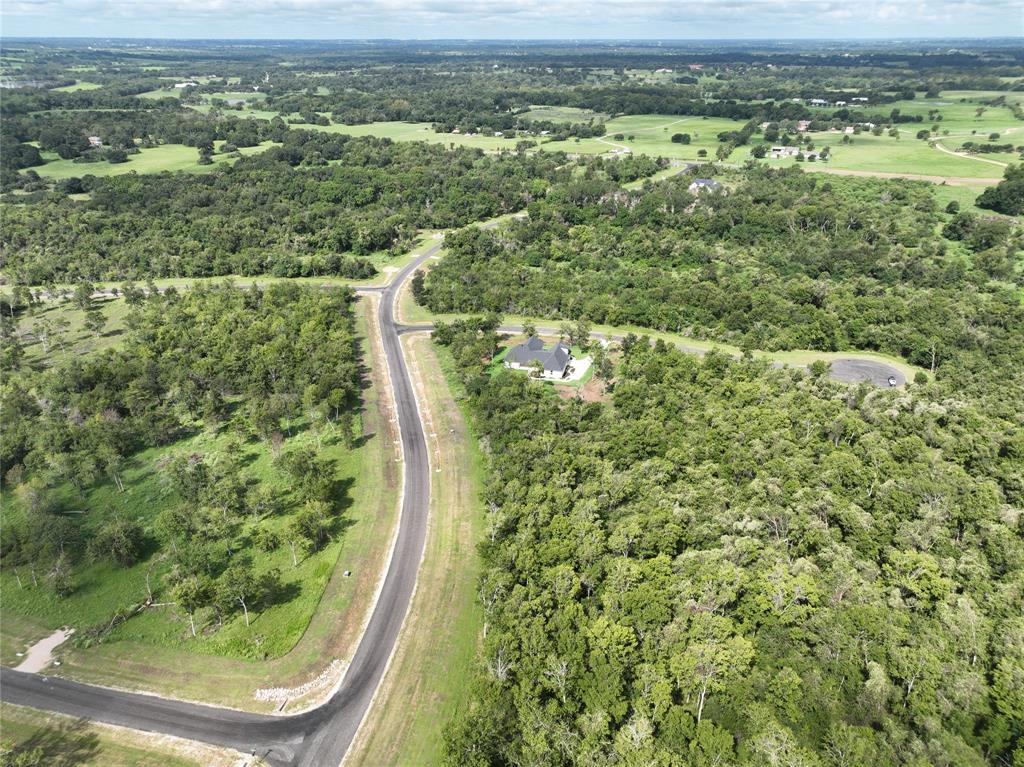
321, 737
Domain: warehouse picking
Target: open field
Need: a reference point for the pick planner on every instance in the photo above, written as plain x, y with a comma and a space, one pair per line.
434, 658
81, 85
651, 135
400, 131
883, 154
69, 742
154, 650
236, 96
63, 328
167, 157
255, 114
562, 114
162, 93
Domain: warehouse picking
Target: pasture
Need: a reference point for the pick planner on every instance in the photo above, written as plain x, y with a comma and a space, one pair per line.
167, 157
561, 114
883, 154
81, 85
401, 131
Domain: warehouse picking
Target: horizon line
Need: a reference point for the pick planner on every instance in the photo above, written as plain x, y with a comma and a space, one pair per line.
898, 38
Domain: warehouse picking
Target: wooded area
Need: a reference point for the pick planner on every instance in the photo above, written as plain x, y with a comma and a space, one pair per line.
735, 565
778, 260
311, 207
256, 365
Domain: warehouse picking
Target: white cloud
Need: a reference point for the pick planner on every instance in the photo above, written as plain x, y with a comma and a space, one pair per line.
515, 18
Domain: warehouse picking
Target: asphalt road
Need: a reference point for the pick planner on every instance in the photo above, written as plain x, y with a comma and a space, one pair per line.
320, 737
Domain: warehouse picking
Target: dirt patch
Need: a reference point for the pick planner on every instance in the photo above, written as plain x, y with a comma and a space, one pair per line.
40, 655
856, 370
592, 391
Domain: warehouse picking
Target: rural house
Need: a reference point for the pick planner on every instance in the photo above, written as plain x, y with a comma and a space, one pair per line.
700, 185
784, 151
554, 361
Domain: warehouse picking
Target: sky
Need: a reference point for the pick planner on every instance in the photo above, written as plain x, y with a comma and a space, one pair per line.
505, 19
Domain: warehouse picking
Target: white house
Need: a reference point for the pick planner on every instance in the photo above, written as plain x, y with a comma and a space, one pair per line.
701, 185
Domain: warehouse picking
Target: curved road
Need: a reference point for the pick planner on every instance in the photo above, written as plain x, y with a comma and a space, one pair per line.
317, 738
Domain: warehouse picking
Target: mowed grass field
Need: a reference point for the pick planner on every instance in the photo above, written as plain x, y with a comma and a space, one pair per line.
64, 741
167, 157
81, 85
884, 154
401, 131
562, 114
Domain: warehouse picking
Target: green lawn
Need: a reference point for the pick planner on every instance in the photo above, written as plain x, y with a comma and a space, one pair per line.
652, 135
162, 93
66, 741
958, 111
233, 95
402, 131
167, 157
561, 114
81, 85
883, 154
965, 195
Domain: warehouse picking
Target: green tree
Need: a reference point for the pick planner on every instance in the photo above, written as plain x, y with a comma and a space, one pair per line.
312, 525
120, 538
191, 594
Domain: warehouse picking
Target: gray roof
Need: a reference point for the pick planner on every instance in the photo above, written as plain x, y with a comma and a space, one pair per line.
707, 183
554, 359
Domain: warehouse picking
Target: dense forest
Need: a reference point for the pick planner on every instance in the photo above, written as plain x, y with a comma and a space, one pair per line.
779, 259
298, 209
254, 362
728, 564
